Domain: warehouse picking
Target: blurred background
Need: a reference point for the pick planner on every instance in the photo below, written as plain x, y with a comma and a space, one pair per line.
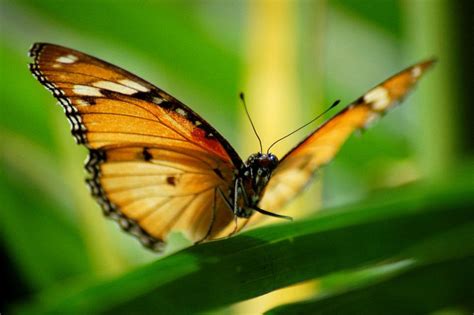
291, 58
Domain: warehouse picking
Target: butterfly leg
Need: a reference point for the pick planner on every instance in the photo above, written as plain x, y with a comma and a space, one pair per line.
227, 201
244, 193
255, 208
231, 208
245, 211
237, 185
236, 196
213, 218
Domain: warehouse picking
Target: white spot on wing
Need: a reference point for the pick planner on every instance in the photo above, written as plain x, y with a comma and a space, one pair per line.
67, 59
378, 98
82, 102
86, 90
115, 87
416, 72
134, 85
157, 100
181, 111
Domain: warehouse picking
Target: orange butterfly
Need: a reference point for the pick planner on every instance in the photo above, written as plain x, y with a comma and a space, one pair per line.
155, 166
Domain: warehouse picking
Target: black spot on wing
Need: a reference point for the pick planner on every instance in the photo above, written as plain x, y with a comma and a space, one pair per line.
168, 105
107, 93
171, 180
89, 99
146, 154
218, 173
145, 96
360, 100
156, 98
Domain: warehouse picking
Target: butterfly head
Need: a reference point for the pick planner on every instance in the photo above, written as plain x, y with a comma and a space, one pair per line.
261, 166
263, 161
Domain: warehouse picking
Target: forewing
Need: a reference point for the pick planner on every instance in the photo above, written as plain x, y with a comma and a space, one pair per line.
155, 165
298, 166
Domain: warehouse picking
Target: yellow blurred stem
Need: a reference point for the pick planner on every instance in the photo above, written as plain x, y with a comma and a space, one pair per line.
430, 33
270, 77
271, 85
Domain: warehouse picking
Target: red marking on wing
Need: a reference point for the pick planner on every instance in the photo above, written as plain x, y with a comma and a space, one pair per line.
211, 144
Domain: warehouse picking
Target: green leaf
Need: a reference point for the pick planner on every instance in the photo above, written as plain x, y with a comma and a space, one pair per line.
216, 274
420, 287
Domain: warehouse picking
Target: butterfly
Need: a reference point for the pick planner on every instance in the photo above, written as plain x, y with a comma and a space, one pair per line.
155, 166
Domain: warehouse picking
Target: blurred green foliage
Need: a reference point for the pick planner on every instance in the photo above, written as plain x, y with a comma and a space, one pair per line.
57, 246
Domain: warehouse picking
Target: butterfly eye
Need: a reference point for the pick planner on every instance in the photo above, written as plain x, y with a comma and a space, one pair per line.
273, 160
268, 161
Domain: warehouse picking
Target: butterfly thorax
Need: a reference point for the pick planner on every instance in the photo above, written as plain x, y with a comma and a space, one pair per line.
251, 181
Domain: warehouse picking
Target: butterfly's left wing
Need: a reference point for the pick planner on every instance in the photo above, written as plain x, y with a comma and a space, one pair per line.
298, 166
155, 166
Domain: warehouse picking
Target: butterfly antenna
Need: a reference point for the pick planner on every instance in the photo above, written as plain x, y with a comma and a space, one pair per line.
309, 122
242, 97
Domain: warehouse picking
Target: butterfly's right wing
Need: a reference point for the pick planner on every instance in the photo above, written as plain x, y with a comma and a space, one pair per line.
298, 166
